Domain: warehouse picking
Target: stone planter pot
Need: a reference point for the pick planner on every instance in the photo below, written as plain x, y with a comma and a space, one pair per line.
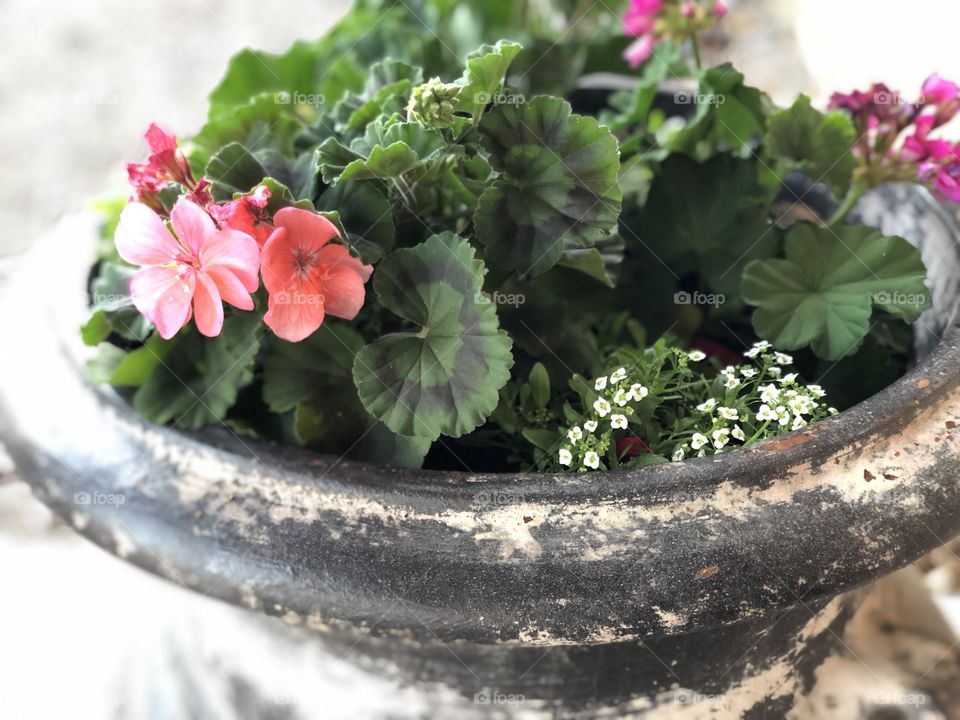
717, 585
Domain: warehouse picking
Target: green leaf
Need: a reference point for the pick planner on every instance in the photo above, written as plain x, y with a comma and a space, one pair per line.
728, 117
365, 215
601, 262
293, 371
281, 196
382, 164
710, 218
388, 83
314, 68
557, 184
546, 440
199, 379
111, 294
260, 125
486, 68
233, 171
817, 144
539, 382
96, 329
139, 365
444, 378
824, 292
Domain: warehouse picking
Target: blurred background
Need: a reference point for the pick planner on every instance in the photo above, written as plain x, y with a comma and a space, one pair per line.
80, 83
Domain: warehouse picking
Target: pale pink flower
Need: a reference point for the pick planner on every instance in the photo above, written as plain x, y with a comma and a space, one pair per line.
639, 51
191, 271
719, 9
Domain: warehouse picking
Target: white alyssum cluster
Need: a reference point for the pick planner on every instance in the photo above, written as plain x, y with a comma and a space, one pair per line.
590, 442
762, 396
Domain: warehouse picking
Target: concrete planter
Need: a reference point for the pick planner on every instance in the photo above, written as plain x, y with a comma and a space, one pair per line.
721, 581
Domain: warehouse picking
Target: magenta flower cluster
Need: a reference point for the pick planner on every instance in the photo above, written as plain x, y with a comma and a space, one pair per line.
895, 139
650, 21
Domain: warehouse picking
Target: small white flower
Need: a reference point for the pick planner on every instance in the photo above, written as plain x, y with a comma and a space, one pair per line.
602, 407
801, 405
575, 434
782, 359
618, 422
678, 453
757, 349
698, 441
720, 438
775, 371
566, 457
783, 415
591, 460
729, 371
769, 393
833, 411
789, 379
622, 397
816, 391
748, 372
798, 422
766, 413
696, 356
600, 384
638, 391
707, 406
789, 394
618, 375
737, 433
590, 426
728, 413
731, 383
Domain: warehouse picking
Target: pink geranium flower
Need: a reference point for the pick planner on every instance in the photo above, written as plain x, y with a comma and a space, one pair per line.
307, 276
164, 165
248, 214
639, 51
191, 271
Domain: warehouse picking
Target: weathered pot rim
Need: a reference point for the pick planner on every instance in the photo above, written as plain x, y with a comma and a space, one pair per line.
578, 559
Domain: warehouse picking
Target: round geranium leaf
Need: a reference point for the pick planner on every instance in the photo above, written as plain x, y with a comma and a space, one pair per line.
824, 292
444, 378
557, 185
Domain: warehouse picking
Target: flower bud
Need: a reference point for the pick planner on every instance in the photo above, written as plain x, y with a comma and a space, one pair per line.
434, 103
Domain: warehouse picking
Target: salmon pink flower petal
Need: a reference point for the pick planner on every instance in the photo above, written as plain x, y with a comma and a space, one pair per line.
207, 306
248, 214
163, 296
235, 251
307, 277
142, 238
343, 292
231, 288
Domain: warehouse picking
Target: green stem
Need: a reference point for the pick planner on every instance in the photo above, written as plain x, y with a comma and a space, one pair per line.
758, 433
854, 194
696, 51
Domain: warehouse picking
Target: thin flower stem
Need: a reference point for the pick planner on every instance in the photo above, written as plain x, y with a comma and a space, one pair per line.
856, 192
758, 433
695, 44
